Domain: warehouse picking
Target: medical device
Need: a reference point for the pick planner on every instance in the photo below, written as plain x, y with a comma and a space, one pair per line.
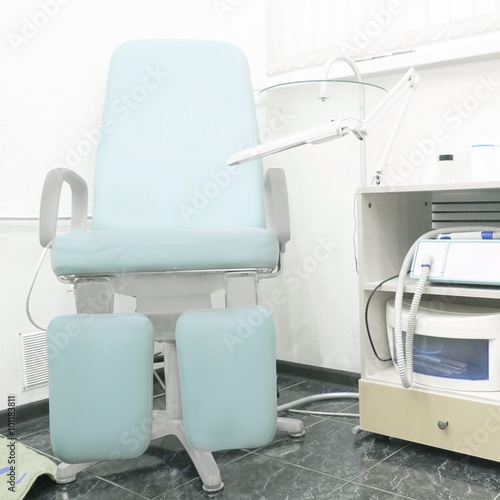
434, 258
466, 261
454, 346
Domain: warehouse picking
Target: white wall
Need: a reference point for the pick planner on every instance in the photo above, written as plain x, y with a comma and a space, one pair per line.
52, 90
317, 315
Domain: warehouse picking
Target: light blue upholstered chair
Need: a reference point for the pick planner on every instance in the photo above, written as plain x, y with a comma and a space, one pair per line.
175, 227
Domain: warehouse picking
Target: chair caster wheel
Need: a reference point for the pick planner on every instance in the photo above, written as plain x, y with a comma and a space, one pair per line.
66, 480
213, 489
296, 435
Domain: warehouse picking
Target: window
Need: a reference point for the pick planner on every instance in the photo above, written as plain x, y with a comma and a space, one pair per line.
303, 33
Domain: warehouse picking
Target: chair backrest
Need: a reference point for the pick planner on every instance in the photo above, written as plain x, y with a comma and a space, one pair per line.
175, 110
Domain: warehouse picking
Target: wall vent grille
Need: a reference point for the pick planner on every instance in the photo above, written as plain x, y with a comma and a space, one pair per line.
34, 368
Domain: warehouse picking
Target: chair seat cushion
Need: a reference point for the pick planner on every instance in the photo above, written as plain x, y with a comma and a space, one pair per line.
108, 252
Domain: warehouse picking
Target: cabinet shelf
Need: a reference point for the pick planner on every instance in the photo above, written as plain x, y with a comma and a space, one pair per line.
446, 289
431, 188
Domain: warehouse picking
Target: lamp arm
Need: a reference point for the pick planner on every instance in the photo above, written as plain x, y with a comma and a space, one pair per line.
331, 130
408, 82
316, 135
357, 74
395, 130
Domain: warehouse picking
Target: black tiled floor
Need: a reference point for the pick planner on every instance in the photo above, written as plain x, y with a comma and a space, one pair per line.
329, 462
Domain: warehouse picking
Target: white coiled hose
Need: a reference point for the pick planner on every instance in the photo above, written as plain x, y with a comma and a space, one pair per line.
404, 353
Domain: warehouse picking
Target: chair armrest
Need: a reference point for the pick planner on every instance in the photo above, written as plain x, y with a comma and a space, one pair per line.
276, 205
49, 205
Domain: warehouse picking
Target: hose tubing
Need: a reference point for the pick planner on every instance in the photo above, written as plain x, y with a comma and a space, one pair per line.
404, 351
405, 356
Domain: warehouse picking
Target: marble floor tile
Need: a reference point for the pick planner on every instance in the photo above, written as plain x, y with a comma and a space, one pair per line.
354, 491
331, 447
424, 473
257, 477
39, 441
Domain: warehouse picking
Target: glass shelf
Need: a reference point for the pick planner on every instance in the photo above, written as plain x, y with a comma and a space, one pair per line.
306, 95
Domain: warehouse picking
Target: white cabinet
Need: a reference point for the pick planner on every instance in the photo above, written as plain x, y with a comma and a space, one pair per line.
390, 219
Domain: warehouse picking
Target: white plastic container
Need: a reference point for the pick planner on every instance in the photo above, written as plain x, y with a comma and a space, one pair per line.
484, 163
456, 346
447, 169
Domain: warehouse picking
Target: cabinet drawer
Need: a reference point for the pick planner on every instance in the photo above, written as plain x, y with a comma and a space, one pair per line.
452, 423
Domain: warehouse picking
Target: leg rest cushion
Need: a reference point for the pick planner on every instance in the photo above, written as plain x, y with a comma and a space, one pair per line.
227, 363
100, 386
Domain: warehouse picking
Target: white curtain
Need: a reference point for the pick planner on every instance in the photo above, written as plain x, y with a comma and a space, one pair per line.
304, 33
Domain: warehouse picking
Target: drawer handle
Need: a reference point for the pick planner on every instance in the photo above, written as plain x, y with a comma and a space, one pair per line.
443, 423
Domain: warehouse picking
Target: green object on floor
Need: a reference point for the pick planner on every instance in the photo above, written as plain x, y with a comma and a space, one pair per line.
19, 468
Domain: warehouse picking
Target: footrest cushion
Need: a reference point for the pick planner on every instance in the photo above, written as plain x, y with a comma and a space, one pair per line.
100, 386
227, 364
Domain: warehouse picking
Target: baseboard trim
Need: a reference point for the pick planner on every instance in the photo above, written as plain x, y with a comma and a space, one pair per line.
350, 379
27, 411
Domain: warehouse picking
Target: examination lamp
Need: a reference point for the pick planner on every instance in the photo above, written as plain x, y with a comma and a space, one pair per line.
339, 128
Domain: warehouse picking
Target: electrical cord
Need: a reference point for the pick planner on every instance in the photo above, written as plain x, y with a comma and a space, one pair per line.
35, 275
366, 318
354, 234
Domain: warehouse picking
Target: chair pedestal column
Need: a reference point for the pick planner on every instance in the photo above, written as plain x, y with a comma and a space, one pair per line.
173, 397
169, 422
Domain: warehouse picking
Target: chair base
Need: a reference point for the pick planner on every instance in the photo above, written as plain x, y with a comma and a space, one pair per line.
66, 473
204, 462
162, 426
